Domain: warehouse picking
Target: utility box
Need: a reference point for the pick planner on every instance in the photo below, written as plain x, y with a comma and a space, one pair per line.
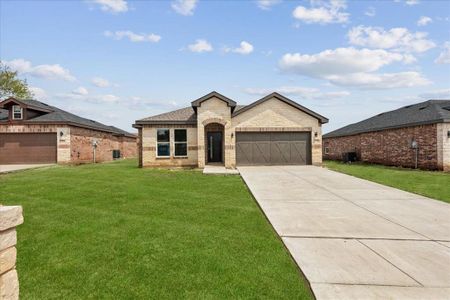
116, 154
349, 157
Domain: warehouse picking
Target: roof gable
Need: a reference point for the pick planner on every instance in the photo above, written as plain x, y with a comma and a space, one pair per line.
30, 104
56, 115
198, 102
286, 100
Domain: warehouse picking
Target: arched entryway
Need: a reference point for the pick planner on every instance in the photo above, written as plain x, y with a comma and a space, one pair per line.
214, 143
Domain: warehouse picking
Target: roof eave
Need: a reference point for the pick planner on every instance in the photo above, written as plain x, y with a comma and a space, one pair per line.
67, 124
430, 122
163, 122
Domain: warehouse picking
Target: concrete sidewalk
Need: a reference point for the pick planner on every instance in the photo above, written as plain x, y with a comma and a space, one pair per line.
355, 239
14, 168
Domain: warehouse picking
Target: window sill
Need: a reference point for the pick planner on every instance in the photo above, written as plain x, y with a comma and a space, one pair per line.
163, 157
180, 157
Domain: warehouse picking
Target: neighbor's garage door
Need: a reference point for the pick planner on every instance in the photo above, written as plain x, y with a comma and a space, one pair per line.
273, 148
27, 148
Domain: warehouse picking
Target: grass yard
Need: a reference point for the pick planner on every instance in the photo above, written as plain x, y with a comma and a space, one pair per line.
116, 231
427, 183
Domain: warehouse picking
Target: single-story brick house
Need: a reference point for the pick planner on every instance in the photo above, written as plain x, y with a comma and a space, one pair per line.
215, 130
394, 137
33, 132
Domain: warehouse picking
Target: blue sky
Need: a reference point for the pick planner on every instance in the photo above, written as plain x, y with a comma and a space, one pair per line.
116, 61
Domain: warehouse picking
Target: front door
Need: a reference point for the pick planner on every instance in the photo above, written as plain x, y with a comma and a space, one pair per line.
214, 146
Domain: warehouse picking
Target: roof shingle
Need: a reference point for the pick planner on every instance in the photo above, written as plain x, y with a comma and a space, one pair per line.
57, 115
428, 112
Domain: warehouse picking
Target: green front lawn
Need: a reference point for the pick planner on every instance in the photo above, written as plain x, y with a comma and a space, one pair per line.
427, 183
116, 231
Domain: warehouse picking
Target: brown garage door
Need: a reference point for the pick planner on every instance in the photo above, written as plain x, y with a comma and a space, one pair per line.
273, 148
27, 148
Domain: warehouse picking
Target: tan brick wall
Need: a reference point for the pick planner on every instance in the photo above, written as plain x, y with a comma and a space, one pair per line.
149, 158
10, 217
443, 146
274, 114
215, 110
391, 147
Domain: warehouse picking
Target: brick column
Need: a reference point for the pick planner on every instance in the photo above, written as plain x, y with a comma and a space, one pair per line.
10, 217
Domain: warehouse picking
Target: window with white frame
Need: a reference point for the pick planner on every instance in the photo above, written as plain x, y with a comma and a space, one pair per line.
180, 142
327, 150
163, 142
17, 112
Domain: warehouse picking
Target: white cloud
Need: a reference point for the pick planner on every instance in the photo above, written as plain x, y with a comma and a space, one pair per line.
338, 61
43, 71
184, 7
38, 93
267, 4
139, 103
133, 37
100, 82
200, 45
80, 91
412, 2
370, 12
436, 94
424, 20
303, 92
112, 6
444, 56
398, 39
380, 81
244, 48
352, 67
103, 99
323, 12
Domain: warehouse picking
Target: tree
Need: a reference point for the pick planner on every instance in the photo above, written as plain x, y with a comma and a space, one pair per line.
11, 86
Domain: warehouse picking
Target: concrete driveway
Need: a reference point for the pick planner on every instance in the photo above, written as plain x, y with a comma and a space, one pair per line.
14, 168
355, 239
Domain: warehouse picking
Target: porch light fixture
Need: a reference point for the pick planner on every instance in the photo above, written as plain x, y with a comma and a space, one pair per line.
61, 133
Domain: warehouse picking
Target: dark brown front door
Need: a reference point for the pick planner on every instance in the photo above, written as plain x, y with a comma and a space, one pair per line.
27, 148
214, 146
273, 148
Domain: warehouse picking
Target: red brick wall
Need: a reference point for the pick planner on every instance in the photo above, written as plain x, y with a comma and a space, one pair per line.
81, 145
389, 147
334, 148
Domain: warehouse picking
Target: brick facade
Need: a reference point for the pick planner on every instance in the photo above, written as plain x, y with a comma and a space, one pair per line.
392, 147
82, 150
215, 114
148, 155
74, 144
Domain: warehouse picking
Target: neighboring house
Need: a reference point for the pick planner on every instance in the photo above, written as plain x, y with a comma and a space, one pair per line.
389, 138
214, 130
33, 132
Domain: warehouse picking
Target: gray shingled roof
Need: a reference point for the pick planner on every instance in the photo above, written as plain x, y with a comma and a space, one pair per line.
428, 112
57, 115
184, 115
188, 115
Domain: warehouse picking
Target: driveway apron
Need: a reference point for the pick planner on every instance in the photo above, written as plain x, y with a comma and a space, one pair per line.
356, 239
